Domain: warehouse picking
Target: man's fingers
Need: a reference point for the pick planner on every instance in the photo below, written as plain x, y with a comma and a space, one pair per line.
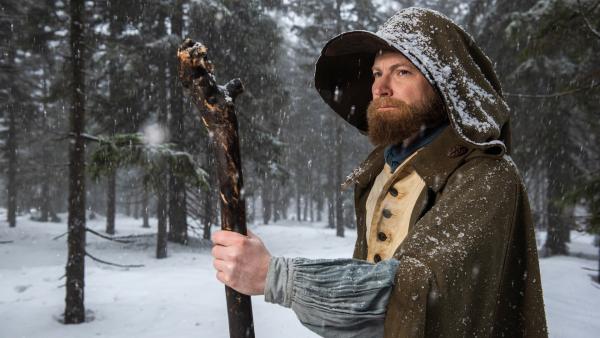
226, 253
222, 277
225, 273
227, 238
218, 252
221, 265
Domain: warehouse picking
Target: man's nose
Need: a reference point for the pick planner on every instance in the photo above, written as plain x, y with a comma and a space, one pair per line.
381, 89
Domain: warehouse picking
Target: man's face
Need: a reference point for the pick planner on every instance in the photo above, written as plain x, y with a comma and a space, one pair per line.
403, 100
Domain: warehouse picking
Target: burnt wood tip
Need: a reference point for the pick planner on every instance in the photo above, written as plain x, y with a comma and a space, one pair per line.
196, 69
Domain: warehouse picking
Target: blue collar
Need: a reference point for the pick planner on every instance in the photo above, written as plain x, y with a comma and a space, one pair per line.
396, 154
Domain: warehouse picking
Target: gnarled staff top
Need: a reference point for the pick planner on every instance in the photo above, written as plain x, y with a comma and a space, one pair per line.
196, 73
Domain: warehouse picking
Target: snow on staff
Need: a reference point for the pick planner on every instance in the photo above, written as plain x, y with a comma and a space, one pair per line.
217, 111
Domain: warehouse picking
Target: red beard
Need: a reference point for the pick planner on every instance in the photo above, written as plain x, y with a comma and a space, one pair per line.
392, 126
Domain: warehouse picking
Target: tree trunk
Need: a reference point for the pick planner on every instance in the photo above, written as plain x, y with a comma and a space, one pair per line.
305, 211
276, 204
266, 203
285, 203
310, 195
45, 205
127, 201
555, 240
298, 205
111, 200
46, 212
319, 201
339, 208
330, 211
162, 119
569, 222
331, 183
146, 223
311, 210
208, 215
136, 208
208, 195
11, 148
177, 209
161, 214
75, 269
252, 216
177, 195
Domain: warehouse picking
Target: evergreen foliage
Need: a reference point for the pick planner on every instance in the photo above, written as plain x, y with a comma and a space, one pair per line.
122, 150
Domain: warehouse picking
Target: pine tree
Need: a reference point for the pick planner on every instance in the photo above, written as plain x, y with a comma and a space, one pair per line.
177, 193
75, 270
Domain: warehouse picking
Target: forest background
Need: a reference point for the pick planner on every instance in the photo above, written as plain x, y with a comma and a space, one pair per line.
101, 97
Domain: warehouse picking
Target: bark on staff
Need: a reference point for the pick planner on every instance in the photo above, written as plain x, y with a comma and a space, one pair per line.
217, 110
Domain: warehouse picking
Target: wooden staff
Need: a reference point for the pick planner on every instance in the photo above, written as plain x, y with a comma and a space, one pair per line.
217, 111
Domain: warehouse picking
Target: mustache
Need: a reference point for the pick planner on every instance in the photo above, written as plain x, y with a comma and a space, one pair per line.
387, 102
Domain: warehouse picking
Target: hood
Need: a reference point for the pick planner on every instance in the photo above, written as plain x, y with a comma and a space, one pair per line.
444, 53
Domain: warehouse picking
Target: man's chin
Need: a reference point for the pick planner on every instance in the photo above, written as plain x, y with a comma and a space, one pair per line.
386, 140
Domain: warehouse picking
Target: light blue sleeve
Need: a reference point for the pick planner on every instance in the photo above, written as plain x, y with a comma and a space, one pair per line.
339, 298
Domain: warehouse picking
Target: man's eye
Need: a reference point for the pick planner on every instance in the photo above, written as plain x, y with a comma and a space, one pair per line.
376, 74
402, 72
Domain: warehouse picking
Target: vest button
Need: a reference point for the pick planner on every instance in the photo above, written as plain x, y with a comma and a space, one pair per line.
393, 192
386, 213
381, 236
377, 258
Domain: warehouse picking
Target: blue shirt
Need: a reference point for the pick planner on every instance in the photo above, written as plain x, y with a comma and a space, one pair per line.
396, 154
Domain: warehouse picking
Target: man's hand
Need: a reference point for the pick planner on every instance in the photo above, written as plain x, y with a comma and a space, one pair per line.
241, 261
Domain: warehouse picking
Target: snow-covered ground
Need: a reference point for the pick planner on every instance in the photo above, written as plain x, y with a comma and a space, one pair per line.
179, 296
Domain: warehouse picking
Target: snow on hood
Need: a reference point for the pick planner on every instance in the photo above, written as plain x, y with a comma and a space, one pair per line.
445, 54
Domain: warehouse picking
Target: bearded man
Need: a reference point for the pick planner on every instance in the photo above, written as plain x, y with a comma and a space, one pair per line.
445, 244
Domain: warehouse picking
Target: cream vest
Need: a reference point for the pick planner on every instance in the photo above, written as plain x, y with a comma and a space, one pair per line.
389, 208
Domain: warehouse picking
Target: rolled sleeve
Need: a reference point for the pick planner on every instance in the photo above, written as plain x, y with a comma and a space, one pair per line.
278, 287
333, 297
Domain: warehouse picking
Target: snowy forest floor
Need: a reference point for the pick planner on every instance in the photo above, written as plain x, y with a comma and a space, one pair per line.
179, 296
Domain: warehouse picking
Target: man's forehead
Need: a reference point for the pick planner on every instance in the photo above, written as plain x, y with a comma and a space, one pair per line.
388, 56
